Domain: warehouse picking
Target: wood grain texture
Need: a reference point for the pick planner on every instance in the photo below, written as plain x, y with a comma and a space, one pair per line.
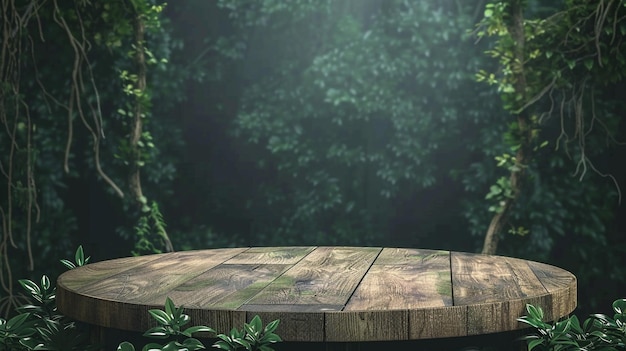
271, 255
226, 286
327, 276
562, 287
180, 267
367, 326
334, 294
91, 273
430, 323
306, 325
482, 279
405, 279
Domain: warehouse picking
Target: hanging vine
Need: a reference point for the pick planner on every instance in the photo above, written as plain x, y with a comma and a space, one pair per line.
551, 66
23, 24
16, 165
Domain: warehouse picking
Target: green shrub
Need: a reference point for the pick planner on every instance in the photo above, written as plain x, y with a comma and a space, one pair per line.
172, 320
39, 326
599, 332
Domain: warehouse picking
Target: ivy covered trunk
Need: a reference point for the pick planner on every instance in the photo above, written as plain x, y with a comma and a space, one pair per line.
521, 130
141, 107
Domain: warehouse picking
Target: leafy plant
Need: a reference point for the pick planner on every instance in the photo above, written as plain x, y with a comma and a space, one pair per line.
15, 329
39, 326
171, 322
43, 297
252, 337
58, 335
598, 332
79, 259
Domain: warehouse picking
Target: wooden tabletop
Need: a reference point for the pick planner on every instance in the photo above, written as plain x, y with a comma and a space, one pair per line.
321, 293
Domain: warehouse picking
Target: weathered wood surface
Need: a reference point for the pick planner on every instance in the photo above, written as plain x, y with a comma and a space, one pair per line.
321, 293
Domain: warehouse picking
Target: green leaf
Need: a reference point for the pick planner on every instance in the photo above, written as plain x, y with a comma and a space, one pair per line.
170, 309
152, 347
17, 321
271, 327
571, 64
270, 338
125, 346
535, 312
253, 328
619, 306
534, 343
197, 329
173, 346
161, 316
193, 344
243, 343
158, 332
30, 286
68, 264
45, 282
222, 345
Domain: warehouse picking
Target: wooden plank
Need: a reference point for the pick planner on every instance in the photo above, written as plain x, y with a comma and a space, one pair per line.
367, 326
105, 313
226, 286
405, 279
445, 322
301, 326
478, 279
562, 286
271, 255
220, 320
328, 276
493, 317
156, 278
93, 272
500, 316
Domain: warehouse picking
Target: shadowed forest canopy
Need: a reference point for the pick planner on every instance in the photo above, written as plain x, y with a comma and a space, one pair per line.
431, 124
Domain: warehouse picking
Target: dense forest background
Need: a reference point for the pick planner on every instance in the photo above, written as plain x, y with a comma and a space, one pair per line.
310, 122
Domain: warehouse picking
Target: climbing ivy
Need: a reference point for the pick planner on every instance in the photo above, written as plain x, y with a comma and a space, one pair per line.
551, 69
71, 121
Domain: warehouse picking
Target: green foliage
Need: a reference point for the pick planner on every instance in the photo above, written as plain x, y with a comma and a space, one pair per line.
67, 131
252, 337
348, 126
565, 100
39, 326
15, 330
150, 231
79, 259
44, 296
598, 332
170, 326
171, 322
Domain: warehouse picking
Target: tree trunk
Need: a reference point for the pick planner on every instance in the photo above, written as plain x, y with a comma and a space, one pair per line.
134, 179
515, 26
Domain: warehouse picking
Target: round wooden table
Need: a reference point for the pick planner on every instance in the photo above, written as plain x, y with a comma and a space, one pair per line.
328, 294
